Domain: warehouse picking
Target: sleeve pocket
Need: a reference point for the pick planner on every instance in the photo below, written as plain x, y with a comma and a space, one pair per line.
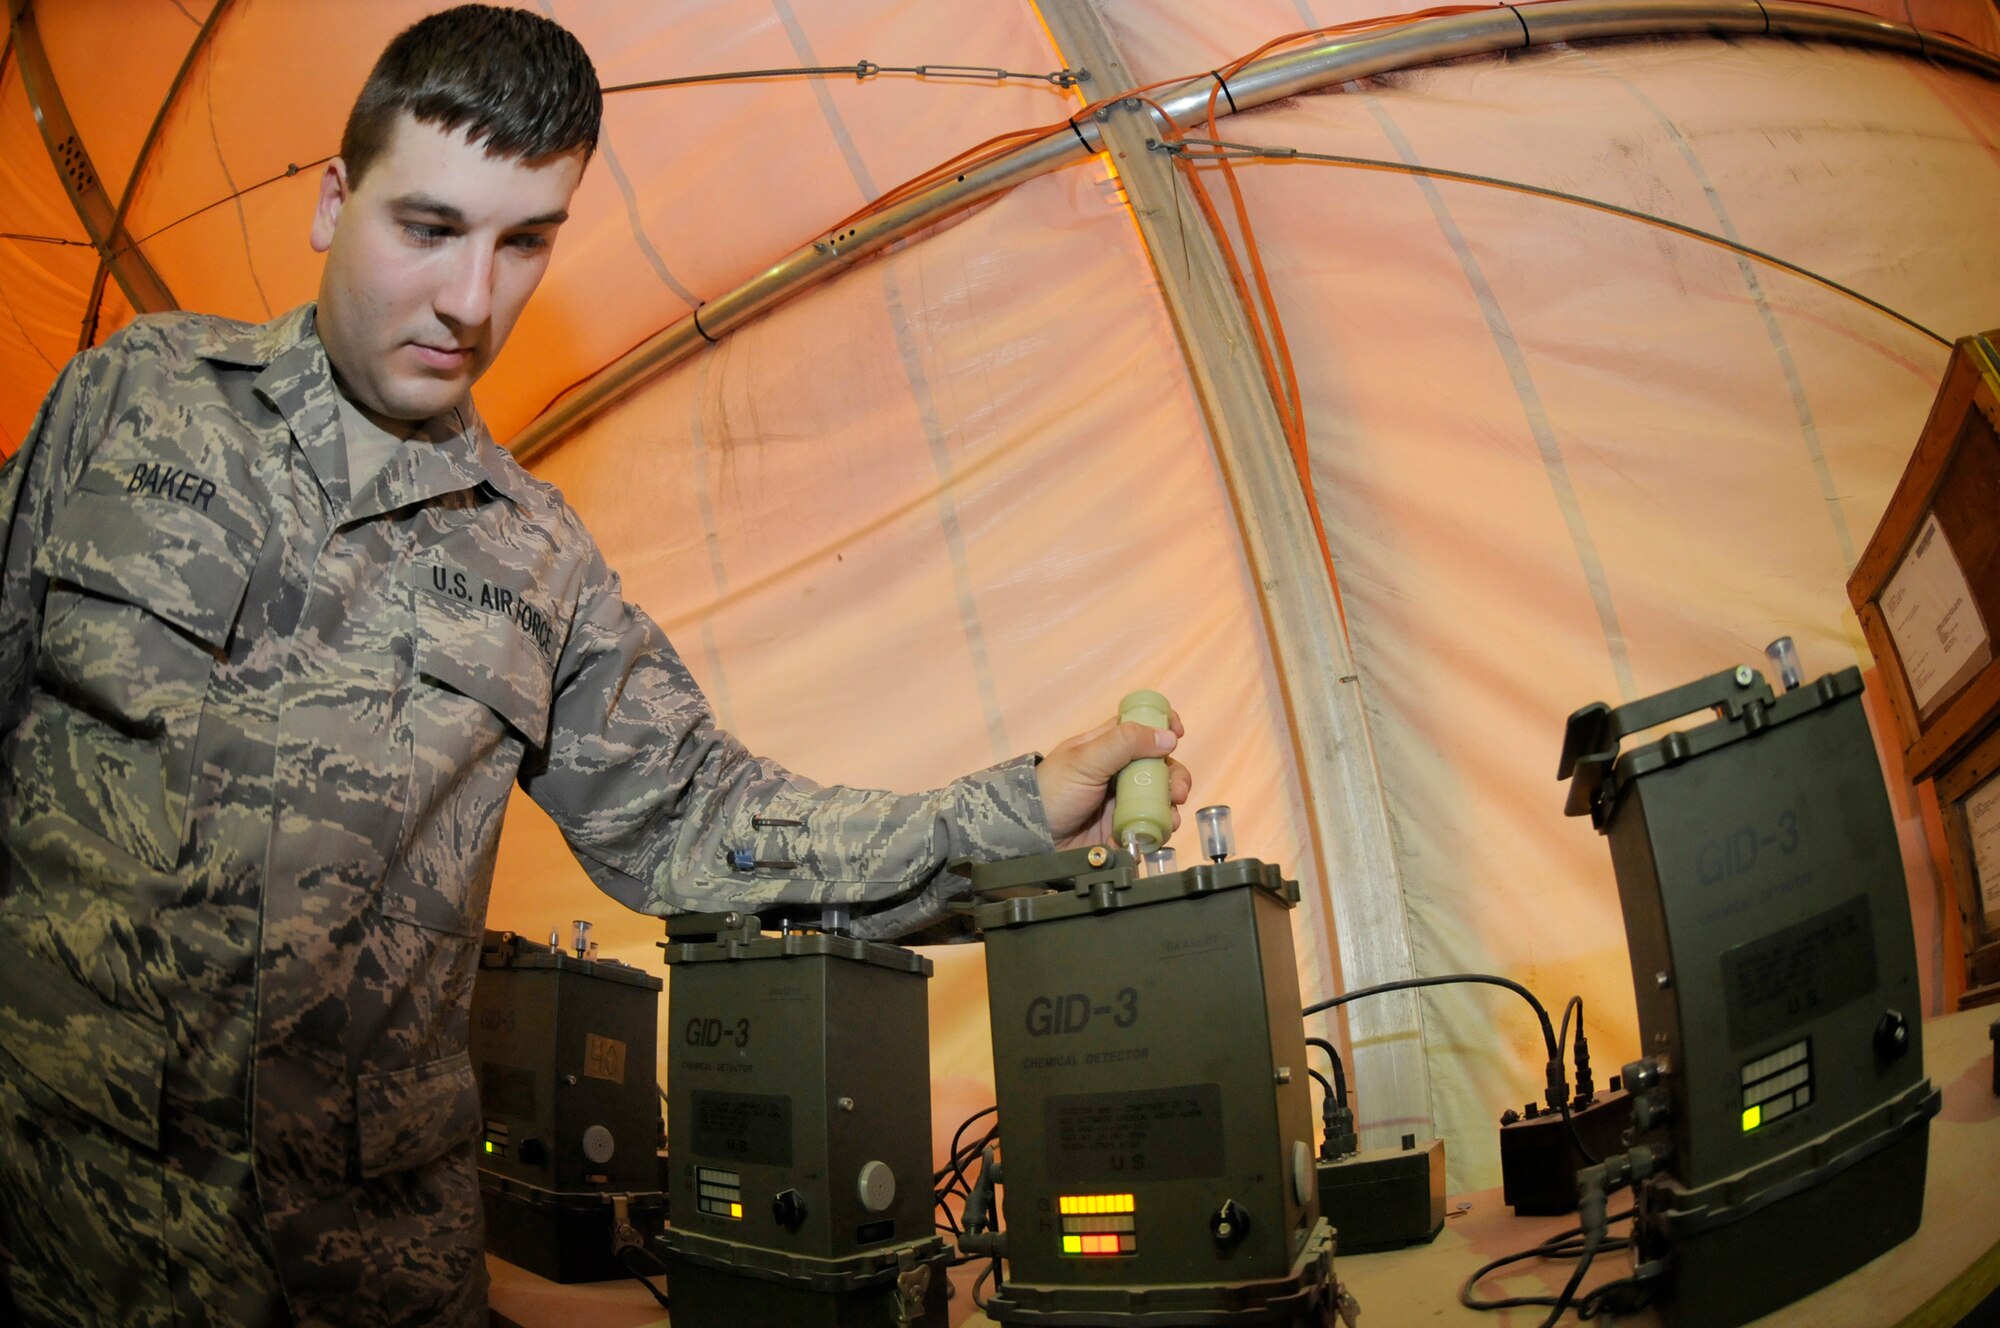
410, 1117
106, 1062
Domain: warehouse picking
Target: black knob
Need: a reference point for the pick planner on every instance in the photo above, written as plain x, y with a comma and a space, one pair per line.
534, 1152
1640, 1075
1651, 1110
1509, 1116
1892, 1035
1229, 1224
789, 1208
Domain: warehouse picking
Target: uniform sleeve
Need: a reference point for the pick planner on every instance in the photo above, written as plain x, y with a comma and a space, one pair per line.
32, 486
669, 814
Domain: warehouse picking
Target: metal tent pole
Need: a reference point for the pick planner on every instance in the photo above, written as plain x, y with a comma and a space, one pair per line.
1341, 785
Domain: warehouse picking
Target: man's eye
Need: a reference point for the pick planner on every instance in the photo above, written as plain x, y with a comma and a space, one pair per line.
529, 242
420, 233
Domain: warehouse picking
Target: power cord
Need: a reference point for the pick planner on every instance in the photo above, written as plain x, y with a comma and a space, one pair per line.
1556, 1089
643, 1279
1338, 1135
1594, 1186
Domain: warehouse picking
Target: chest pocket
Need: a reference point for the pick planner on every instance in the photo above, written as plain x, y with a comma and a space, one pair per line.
479, 701
142, 597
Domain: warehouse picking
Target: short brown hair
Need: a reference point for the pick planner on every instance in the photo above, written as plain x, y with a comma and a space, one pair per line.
520, 81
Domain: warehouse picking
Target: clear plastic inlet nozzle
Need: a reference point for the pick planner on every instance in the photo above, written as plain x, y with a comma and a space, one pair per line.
579, 936
1218, 837
1161, 862
1784, 657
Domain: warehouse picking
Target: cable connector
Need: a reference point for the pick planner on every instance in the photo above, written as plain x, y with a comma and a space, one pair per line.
974, 1237
1555, 1089
1585, 1089
1340, 1139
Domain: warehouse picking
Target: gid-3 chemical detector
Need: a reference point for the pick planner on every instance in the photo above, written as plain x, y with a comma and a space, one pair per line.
800, 1130
1150, 1066
1781, 1107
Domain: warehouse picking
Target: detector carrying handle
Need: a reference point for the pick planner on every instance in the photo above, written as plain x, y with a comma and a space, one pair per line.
1591, 738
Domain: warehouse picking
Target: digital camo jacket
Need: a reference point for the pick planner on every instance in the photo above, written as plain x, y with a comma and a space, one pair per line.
259, 733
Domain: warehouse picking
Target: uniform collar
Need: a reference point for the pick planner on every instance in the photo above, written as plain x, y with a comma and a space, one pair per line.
296, 380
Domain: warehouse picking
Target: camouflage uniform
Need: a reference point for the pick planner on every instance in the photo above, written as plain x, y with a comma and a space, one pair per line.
259, 735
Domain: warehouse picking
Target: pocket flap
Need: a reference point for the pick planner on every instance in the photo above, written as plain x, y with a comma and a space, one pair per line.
106, 1062
410, 1117
167, 558
490, 656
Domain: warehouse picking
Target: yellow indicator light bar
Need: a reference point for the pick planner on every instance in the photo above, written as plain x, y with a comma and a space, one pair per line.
736, 1210
1092, 1204
489, 1145
1072, 1245
1752, 1118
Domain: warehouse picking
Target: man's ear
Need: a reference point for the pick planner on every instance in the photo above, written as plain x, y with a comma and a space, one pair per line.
332, 196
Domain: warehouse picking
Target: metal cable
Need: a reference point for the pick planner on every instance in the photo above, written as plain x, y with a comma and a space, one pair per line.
1221, 150
861, 71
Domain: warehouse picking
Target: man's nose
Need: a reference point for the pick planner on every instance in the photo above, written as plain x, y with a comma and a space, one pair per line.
465, 297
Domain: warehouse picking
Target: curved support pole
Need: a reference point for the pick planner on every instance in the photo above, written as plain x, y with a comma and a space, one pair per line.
1286, 74
86, 191
88, 335
1356, 908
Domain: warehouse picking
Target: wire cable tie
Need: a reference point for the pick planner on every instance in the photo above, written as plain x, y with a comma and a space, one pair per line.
1217, 76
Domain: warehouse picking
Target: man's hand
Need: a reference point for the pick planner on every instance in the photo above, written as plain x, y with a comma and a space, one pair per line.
1076, 778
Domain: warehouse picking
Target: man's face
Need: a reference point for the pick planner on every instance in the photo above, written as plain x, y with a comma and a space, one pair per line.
429, 260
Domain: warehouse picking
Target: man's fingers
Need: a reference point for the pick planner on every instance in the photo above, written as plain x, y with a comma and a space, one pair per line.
1091, 735
1180, 782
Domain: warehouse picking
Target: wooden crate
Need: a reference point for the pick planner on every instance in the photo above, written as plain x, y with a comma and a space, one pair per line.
1927, 588
1968, 791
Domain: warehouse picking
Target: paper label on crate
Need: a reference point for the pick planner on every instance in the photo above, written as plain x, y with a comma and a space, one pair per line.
1982, 819
1934, 620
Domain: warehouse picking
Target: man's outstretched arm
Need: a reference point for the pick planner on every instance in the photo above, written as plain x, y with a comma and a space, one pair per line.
669, 813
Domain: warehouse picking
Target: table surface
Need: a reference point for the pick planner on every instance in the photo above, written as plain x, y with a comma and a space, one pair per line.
1929, 1281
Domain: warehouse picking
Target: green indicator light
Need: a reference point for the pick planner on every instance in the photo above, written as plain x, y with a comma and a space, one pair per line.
1072, 1245
1752, 1118
489, 1145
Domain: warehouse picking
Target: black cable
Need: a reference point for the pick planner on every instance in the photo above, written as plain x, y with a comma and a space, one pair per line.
1339, 1071
1557, 1085
992, 1267
1564, 1244
641, 1278
1407, 984
1324, 1086
1562, 1040
952, 1155
964, 1160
